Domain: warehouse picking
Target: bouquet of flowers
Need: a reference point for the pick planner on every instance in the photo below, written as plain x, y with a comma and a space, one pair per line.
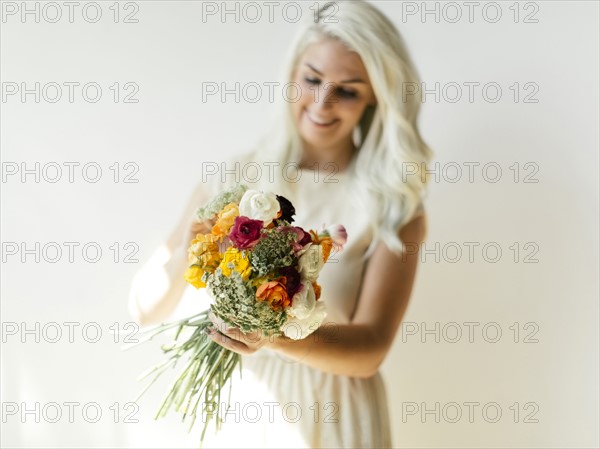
261, 273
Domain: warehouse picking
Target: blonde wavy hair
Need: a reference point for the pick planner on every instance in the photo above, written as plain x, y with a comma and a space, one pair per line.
391, 156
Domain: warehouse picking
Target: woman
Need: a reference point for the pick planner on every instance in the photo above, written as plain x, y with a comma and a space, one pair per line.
360, 160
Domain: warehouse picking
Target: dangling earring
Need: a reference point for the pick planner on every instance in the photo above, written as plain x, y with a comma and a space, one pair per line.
360, 131
356, 137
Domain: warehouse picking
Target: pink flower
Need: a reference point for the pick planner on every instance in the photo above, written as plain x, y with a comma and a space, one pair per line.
245, 232
303, 238
338, 235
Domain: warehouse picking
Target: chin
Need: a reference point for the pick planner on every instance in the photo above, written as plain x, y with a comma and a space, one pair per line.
317, 138
317, 141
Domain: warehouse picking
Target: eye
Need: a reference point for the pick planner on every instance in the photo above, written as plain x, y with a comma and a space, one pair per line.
312, 81
344, 93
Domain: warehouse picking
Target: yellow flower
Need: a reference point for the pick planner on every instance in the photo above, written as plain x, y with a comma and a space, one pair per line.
193, 275
240, 263
225, 221
204, 250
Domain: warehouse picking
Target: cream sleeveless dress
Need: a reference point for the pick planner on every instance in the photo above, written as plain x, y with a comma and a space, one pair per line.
282, 403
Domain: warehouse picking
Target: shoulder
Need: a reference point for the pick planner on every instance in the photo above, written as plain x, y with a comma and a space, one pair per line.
415, 230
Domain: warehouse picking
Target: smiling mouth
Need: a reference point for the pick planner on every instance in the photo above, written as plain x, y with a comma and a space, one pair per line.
321, 123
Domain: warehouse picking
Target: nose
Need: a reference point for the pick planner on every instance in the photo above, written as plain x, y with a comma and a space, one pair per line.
324, 96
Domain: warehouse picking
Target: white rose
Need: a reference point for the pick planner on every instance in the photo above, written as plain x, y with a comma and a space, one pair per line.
303, 302
259, 205
297, 329
310, 262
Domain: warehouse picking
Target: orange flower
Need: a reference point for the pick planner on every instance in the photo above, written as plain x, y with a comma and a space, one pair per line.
225, 220
315, 236
326, 243
317, 289
275, 293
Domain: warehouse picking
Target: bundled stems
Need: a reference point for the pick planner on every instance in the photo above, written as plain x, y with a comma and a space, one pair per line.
209, 367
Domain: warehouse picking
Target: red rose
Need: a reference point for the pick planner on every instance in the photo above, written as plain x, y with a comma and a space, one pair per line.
245, 232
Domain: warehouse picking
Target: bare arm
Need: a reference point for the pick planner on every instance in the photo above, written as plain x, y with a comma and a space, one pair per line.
356, 349
157, 288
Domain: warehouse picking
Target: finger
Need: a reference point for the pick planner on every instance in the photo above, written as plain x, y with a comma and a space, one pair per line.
235, 334
205, 223
201, 228
202, 224
251, 339
228, 343
219, 324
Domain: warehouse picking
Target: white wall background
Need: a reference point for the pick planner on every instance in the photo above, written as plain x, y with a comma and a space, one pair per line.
169, 53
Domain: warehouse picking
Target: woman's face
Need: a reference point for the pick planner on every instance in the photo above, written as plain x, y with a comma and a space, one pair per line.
335, 91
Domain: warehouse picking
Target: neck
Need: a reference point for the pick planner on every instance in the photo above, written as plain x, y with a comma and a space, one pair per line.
328, 158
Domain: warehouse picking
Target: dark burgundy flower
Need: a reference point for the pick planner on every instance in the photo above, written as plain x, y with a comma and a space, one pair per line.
292, 283
245, 232
303, 238
287, 209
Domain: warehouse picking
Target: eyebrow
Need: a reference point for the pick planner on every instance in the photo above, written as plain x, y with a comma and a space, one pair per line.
355, 80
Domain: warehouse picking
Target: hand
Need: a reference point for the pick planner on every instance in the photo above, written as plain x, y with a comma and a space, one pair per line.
234, 339
195, 227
